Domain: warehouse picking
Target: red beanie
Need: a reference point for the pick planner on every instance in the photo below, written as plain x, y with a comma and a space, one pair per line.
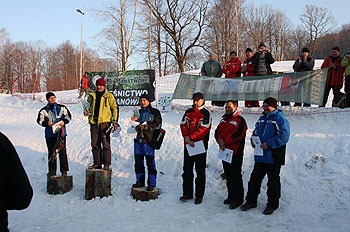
101, 82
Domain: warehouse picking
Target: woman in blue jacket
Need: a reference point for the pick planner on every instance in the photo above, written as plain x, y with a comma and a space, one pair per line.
273, 130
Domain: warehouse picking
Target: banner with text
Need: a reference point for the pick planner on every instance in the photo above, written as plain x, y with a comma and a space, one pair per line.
304, 87
127, 86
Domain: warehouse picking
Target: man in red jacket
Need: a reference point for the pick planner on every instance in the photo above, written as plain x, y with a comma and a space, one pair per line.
230, 134
195, 127
232, 68
247, 69
335, 76
84, 85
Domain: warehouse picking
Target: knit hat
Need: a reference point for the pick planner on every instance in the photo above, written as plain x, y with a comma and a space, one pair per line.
233, 53
271, 102
305, 50
211, 54
248, 50
49, 94
101, 82
261, 44
197, 96
145, 96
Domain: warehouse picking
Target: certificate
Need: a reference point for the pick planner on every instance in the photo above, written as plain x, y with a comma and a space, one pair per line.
197, 149
225, 155
258, 151
56, 127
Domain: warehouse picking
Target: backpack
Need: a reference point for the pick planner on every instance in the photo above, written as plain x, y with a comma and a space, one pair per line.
157, 138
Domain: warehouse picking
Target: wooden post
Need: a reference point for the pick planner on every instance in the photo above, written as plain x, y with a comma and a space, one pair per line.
59, 184
143, 195
98, 183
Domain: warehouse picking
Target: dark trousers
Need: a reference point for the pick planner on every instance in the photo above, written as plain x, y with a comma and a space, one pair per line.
52, 162
140, 170
199, 161
273, 184
299, 104
251, 104
336, 90
347, 90
3, 218
98, 138
234, 182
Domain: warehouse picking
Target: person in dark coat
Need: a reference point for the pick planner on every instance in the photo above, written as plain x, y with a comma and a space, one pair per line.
195, 127
50, 115
304, 63
248, 69
272, 129
15, 190
211, 68
150, 119
230, 134
335, 75
262, 60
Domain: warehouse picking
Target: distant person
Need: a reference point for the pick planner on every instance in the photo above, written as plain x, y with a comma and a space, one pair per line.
247, 69
15, 190
50, 116
232, 68
149, 120
230, 134
103, 115
211, 68
262, 60
345, 63
304, 63
195, 127
335, 76
84, 86
272, 129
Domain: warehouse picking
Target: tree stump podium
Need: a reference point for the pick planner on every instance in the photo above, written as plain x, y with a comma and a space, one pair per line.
143, 195
59, 184
98, 183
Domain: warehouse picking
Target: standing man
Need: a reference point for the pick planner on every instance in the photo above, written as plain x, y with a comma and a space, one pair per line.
335, 76
304, 63
345, 63
150, 119
84, 86
195, 126
262, 60
103, 114
247, 69
232, 68
53, 116
272, 129
15, 190
230, 134
211, 68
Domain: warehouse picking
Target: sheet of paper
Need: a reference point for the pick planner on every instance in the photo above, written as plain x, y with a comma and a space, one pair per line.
225, 155
258, 151
56, 127
197, 149
116, 133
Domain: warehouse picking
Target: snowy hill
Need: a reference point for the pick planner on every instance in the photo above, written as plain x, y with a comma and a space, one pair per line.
315, 180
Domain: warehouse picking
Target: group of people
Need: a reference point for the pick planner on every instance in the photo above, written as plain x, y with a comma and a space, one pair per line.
259, 64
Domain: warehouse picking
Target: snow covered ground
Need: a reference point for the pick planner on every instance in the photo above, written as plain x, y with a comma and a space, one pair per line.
315, 180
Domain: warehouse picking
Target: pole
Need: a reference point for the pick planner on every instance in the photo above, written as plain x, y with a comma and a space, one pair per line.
81, 45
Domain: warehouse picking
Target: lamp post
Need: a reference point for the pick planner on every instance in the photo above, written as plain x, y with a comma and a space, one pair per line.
81, 45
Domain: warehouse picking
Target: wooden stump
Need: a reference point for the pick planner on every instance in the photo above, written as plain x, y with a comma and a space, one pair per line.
143, 195
59, 184
98, 183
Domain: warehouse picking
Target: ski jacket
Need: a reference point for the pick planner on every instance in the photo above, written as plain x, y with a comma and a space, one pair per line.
211, 68
250, 71
345, 63
108, 111
268, 61
335, 76
153, 118
15, 190
53, 113
196, 123
232, 130
304, 65
232, 68
84, 83
273, 128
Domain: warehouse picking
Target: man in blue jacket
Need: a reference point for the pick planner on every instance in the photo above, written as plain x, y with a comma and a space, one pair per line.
273, 130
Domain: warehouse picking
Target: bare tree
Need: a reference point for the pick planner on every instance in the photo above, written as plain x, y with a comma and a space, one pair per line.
183, 21
317, 21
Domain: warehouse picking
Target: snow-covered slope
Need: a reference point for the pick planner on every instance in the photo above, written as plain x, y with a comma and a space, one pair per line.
315, 180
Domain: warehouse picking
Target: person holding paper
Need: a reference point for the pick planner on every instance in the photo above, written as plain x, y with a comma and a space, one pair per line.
195, 127
51, 116
273, 130
149, 119
230, 134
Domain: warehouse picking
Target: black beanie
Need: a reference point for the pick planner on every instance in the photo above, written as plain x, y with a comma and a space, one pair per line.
271, 102
248, 50
233, 53
305, 50
261, 44
145, 96
49, 94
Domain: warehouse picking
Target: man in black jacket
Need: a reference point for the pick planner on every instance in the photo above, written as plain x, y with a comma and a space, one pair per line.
262, 60
15, 189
